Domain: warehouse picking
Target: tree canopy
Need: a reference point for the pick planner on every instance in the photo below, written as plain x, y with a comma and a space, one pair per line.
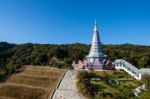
13, 56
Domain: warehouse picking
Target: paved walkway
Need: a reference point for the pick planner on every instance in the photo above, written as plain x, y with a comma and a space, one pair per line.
67, 88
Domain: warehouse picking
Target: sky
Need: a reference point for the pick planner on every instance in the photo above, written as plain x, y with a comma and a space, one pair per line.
72, 21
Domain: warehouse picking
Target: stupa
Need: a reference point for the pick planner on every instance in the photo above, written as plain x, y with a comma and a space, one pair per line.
96, 53
96, 57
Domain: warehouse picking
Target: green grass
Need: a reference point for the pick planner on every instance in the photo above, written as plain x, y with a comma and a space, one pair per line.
106, 91
126, 83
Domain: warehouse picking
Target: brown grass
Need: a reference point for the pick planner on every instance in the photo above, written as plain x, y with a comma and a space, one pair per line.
33, 83
21, 92
1, 97
104, 73
38, 71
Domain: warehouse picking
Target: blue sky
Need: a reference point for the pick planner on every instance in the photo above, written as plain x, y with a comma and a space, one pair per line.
71, 21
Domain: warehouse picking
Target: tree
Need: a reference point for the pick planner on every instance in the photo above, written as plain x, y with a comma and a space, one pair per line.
145, 95
143, 62
41, 54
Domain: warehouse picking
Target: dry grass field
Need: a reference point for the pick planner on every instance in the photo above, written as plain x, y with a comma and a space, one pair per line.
35, 82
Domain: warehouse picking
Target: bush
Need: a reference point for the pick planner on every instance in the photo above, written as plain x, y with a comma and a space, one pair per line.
84, 85
146, 81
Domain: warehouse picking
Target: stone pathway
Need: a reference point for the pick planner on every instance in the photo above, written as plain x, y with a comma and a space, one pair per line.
67, 88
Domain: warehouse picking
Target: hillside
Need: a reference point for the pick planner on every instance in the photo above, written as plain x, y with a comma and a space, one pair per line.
13, 56
32, 83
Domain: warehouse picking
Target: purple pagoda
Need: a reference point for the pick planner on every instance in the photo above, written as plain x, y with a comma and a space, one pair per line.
96, 57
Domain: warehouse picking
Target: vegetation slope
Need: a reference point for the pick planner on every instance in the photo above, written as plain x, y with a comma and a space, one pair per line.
13, 56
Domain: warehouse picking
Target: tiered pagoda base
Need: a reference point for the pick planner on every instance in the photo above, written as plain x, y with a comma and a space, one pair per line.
105, 65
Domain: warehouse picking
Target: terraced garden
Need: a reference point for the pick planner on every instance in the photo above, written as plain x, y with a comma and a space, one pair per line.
33, 83
101, 87
123, 90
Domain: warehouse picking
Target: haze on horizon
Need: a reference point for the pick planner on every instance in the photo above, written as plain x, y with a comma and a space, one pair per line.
71, 21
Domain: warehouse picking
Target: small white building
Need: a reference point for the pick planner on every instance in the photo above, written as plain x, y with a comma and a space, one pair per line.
121, 64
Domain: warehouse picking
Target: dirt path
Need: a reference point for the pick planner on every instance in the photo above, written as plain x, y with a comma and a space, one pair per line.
67, 88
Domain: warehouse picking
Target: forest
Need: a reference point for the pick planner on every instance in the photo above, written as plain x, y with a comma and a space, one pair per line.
14, 56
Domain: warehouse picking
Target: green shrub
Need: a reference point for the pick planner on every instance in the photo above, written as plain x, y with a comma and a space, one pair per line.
84, 85
146, 81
